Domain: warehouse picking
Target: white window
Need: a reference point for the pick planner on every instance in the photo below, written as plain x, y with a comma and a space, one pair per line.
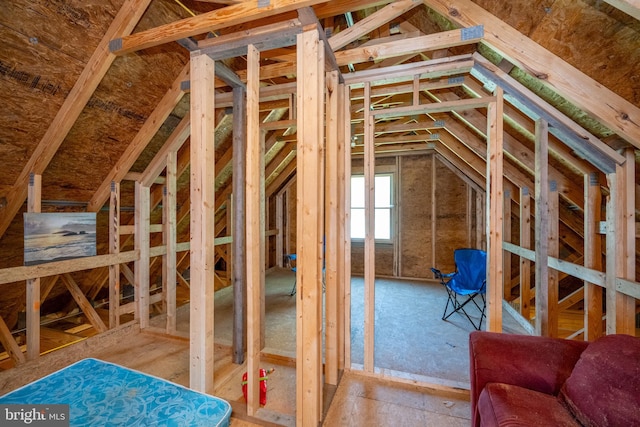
383, 204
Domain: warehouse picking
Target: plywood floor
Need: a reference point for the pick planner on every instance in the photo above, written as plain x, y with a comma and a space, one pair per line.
358, 401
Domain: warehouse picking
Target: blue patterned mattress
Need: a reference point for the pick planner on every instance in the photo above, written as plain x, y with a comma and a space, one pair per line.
104, 394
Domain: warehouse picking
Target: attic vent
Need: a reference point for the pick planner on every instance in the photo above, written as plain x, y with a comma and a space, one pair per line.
434, 136
264, 3
438, 123
455, 80
553, 185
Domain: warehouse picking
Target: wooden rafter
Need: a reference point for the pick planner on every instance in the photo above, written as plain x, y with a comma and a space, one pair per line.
140, 141
611, 109
97, 66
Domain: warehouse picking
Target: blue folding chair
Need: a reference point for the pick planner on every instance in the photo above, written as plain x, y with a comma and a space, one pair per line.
465, 284
290, 261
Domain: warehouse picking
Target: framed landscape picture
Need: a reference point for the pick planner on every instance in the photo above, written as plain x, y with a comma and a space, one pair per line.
58, 236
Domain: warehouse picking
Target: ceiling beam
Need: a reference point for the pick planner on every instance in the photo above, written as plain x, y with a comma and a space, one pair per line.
206, 22
615, 112
630, 7
371, 22
97, 66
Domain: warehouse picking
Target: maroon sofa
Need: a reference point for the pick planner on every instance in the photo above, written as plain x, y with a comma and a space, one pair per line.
521, 380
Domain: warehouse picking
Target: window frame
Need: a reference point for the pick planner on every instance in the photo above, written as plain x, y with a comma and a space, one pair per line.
391, 172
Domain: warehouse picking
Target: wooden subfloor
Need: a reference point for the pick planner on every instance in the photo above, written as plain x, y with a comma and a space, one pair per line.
358, 400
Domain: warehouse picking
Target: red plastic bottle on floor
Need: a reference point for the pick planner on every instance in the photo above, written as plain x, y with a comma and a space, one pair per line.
263, 385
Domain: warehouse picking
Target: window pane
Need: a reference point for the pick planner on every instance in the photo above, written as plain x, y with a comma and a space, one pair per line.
357, 191
383, 191
357, 223
383, 224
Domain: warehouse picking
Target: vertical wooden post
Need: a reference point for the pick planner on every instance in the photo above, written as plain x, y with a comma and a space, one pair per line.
255, 237
34, 198
592, 256
480, 221
114, 248
553, 251
346, 122
495, 209
434, 212
142, 244
331, 231
202, 223
169, 224
620, 247
342, 207
626, 305
542, 227
281, 230
525, 242
310, 194
369, 240
238, 231
506, 232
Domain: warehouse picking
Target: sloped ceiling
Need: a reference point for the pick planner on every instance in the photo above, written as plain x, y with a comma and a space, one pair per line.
48, 43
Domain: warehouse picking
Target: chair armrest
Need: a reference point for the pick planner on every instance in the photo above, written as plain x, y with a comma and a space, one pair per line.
440, 275
536, 363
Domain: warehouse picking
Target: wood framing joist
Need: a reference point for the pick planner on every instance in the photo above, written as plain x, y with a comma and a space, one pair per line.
272, 36
210, 21
581, 141
615, 112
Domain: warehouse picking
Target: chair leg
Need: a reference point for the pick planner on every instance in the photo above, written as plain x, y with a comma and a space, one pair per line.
293, 290
458, 307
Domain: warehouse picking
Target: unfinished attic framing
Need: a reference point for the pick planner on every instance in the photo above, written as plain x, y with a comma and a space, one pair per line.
213, 139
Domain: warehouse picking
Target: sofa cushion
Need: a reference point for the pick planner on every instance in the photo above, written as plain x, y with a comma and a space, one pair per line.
604, 386
513, 406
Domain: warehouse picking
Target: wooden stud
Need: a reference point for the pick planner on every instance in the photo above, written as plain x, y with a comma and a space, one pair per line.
495, 200
542, 228
114, 248
369, 240
34, 199
142, 244
169, 224
346, 121
525, 242
202, 251
343, 182
592, 256
620, 261
310, 195
553, 251
434, 211
331, 230
238, 231
254, 230
506, 234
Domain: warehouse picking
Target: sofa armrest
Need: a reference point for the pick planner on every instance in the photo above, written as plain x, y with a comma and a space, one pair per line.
536, 363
